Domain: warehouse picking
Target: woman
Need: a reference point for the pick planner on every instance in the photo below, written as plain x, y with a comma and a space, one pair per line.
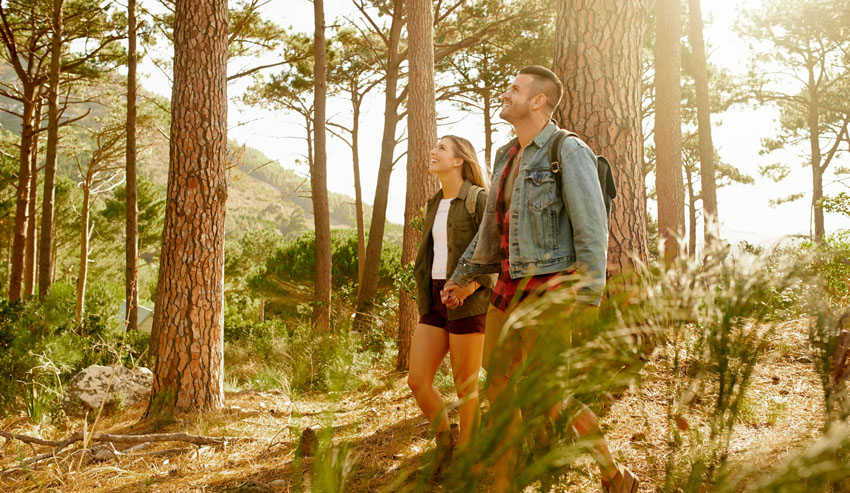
452, 217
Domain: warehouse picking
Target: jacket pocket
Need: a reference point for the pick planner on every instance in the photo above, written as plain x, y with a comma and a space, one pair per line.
542, 207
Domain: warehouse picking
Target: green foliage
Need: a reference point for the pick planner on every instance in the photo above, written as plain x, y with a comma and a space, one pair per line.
151, 205
830, 266
295, 360
42, 348
837, 204
288, 269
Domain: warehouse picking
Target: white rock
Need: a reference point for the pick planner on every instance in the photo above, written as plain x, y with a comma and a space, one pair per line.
88, 389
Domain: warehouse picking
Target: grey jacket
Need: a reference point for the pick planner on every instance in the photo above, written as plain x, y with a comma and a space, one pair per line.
548, 233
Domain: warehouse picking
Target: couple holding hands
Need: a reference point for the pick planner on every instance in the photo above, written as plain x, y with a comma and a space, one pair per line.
529, 227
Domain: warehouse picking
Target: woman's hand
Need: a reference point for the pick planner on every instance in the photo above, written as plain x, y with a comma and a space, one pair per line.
453, 295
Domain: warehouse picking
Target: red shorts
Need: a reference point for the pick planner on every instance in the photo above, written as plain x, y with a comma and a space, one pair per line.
439, 315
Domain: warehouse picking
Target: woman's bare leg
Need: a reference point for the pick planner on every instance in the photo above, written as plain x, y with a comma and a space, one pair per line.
427, 350
466, 353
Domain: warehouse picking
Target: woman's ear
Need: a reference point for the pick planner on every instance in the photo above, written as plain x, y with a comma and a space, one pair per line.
458, 163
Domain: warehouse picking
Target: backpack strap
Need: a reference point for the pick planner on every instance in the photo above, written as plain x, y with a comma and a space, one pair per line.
471, 203
555, 153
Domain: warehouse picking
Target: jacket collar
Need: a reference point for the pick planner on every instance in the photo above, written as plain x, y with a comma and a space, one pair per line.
461, 194
544, 135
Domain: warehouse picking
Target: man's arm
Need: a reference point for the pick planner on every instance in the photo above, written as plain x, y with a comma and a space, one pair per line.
585, 206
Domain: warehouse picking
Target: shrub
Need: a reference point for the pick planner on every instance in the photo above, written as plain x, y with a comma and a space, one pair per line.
42, 348
831, 265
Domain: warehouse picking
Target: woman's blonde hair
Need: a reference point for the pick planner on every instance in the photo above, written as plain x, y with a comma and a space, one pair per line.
471, 171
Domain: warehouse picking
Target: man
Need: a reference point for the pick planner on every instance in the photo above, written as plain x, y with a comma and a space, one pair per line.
534, 231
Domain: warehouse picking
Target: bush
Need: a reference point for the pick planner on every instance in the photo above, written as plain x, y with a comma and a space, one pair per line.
831, 265
298, 360
41, 347
295, 263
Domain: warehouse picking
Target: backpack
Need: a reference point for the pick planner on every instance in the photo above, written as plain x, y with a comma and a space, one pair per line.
471, 202
603, 169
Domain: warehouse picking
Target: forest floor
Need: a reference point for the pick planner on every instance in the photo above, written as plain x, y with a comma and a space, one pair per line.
385, 434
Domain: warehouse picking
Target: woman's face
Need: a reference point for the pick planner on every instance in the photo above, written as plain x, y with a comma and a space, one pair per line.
443, 157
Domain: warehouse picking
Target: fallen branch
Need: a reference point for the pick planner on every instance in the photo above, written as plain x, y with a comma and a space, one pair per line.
105, 437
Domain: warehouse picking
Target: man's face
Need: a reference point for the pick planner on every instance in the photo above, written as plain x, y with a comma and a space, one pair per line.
516, 101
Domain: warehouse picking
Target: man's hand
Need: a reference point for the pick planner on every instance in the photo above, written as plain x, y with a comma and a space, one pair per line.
453, 294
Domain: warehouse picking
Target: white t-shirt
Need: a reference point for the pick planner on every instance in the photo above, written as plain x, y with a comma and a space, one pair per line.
439, 233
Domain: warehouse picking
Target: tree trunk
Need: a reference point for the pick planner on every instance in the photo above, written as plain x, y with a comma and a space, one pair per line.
812, 120
488, 134
84, 256
22, 203
706, 146
188, 335
422, 133
692, 215
369, 287
30, 254
487, 96
668, 127
602, 85
319, 178
131, 266
45, 250
358, 194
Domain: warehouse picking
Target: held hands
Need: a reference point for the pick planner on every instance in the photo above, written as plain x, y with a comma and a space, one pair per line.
453, 295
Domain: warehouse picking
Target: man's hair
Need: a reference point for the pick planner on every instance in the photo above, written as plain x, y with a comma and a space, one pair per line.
546, 83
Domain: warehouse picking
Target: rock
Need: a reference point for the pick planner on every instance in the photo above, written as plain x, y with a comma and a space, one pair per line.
279, 485
88, 389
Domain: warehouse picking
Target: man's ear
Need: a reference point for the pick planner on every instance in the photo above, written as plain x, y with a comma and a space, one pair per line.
538, 101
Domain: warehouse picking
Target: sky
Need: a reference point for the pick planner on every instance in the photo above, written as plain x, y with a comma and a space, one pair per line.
744, 210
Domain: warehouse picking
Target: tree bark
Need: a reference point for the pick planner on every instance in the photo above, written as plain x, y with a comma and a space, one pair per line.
602, 84
319, 178
692, 214
45, 250
706, 146
422, 133
84, 256
131, 265
668, 126
358, 193
369, 286
188, 336
22, 203
30, 254
812, 121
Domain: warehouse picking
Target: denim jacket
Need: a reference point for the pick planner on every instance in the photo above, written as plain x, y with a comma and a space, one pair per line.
548, 233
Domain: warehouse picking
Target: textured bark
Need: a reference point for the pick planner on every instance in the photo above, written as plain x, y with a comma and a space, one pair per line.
356, 100
598, 58
812, 121
668, 126
369, 286
131, 262
692, 214
488, 132
187, 337
32, 230
319, 177
22, 202
82, 275
45, 245
422, 133
706, 146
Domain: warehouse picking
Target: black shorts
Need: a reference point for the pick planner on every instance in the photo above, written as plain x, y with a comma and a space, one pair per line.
439, 315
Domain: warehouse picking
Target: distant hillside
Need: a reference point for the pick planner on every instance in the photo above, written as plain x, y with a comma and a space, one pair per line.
261, 191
